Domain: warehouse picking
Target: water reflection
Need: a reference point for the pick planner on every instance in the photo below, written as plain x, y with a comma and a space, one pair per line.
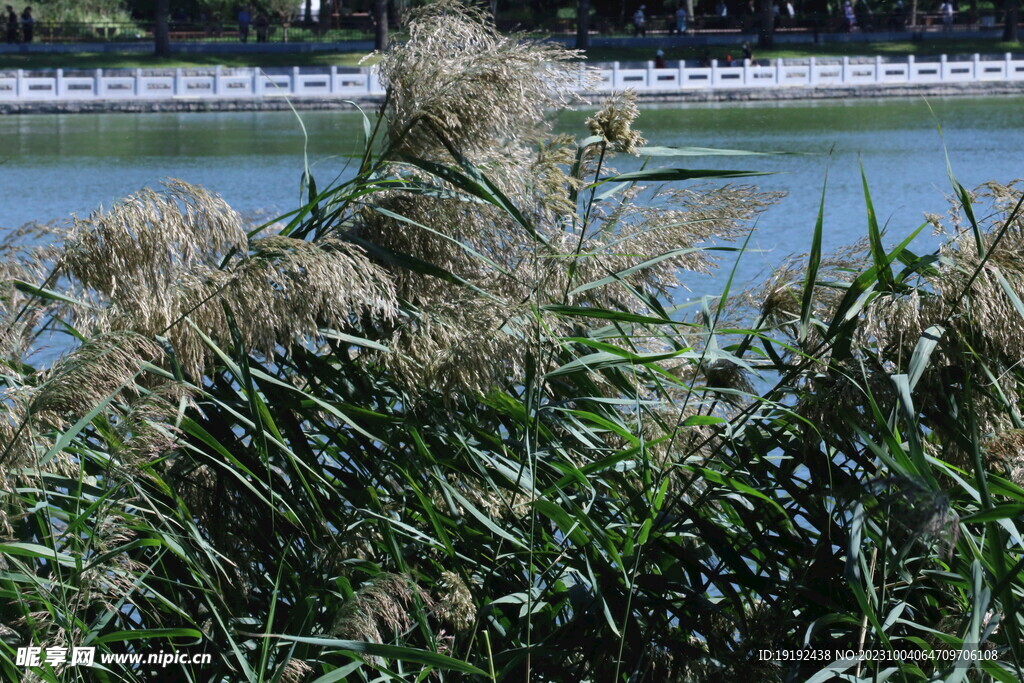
59, 164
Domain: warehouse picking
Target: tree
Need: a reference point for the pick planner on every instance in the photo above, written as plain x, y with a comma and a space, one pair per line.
380, 25
326, 16
161, 29
1010, 29
766, 33
282, 11
582, 24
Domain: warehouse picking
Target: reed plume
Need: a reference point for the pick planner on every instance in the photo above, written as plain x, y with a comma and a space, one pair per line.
381, 608
482, 105
457, 81
177, 263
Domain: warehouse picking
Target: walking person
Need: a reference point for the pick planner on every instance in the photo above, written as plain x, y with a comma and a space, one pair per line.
12, 25
849, 18
681, 20
640, 22
27, 23
899, 16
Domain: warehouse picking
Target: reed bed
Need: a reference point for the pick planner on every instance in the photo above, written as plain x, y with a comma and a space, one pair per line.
449, 419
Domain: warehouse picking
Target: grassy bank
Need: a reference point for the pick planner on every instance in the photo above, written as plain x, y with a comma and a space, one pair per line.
90, 60
891, 49
96, 60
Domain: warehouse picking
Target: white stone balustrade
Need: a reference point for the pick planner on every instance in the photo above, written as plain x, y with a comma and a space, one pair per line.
254, 83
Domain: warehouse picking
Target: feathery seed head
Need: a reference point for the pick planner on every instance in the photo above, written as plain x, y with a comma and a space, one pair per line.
1005, 450
459, 78
295, 671
86, 376
725, 374
454, 603
614, 122
159, 260
289, 288
466, 344
384, 604
147, 238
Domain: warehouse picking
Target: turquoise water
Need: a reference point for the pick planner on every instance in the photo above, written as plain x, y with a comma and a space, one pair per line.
901, 144
56, 165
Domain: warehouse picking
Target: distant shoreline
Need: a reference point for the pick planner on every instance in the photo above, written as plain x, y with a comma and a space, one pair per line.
369, 102
828, 92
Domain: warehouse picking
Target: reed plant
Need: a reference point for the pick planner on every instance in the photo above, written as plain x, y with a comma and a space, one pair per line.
452, 418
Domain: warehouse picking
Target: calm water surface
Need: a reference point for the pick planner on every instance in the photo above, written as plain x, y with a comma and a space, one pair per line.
56, 165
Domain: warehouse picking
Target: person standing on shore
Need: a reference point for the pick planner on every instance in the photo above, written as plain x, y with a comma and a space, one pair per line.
262, 27
12, 25
27, 22
946, 11
244, 19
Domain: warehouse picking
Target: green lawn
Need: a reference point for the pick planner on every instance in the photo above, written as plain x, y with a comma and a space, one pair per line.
90, 60
930, 47
98, 60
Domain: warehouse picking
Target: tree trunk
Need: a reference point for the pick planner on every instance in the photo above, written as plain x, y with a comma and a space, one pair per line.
1012, 19
766, 36
582, 24
161, 30
326, 16
690, 16
380, 19
309, 11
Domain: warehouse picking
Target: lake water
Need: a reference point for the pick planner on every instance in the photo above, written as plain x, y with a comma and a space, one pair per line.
56, 165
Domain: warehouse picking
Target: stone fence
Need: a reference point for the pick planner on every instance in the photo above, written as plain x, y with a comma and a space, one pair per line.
344, 83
